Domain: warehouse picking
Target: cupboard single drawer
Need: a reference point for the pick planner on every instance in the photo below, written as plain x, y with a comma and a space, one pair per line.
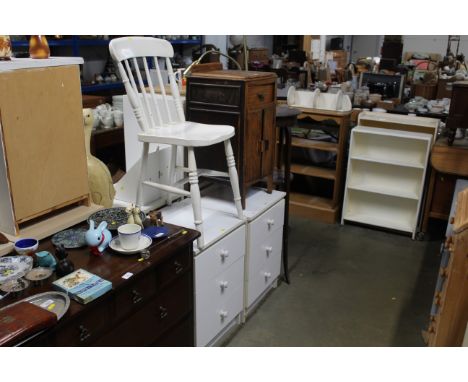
222, 286
260, 95
173, 268
134, 296
212, 93
211, 320
261, 279
268, 222
266, 251
220, 256
84, 330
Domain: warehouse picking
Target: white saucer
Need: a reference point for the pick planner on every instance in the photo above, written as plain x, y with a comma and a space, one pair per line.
145, 242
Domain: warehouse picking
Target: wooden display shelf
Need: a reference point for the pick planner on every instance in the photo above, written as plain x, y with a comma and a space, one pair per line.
309, 170
312, 144
313, 207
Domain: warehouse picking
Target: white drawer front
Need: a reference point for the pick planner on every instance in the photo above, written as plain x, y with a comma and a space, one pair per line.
268, 222
265, 250
261, 278
212, 318
220, 256
221, 286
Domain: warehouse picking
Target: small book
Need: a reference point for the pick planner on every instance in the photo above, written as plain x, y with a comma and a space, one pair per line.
83, 286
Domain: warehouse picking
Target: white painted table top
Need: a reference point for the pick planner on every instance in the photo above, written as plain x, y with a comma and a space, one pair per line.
31, 63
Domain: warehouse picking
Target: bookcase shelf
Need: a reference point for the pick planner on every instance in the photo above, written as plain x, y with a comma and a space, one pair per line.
386, 173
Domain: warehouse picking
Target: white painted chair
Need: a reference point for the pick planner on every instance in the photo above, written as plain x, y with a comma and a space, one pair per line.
159, 126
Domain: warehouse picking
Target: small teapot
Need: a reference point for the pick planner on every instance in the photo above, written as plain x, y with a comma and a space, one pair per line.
98, 238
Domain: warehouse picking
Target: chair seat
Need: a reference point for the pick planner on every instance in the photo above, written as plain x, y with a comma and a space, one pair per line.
189, 134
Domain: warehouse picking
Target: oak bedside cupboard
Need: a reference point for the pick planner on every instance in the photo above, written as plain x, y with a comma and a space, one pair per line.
247, 101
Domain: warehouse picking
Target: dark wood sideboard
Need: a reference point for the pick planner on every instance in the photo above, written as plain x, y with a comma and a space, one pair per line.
247, 101
152, 307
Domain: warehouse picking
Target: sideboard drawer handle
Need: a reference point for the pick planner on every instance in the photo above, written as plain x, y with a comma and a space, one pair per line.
267, 275
178, 267
162, 312
261, 97
269, 250
84, 333
137, 297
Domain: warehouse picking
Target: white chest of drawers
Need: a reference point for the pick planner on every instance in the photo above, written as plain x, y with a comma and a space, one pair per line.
242, 260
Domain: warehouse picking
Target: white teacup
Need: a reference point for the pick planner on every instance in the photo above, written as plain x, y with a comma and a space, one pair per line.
129, 236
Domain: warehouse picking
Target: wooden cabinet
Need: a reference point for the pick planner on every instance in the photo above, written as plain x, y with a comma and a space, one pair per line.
449, 313
42, 159
245, 100
153, 307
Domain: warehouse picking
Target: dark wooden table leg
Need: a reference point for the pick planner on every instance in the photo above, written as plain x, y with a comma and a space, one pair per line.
287, 181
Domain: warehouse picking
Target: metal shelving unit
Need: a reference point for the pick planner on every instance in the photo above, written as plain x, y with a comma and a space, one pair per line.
75, 42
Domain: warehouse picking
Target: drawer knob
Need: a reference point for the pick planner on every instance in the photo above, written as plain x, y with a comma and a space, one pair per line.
268, 250
224, 254
178, 267
136, 297
223, 285
271, 223
223, 314
84, 333
261, 97
162, 312
267, 275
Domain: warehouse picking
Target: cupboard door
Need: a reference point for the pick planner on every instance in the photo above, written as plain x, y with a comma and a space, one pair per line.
253, 146
269, 135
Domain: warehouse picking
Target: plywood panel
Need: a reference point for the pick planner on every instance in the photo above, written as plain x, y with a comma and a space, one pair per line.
44, 139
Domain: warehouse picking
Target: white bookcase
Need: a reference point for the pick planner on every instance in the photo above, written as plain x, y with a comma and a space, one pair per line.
385, 180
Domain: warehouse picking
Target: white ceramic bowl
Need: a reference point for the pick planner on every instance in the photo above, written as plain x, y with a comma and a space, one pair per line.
26, 246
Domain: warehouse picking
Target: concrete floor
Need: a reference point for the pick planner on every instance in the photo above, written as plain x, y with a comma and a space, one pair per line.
350, 286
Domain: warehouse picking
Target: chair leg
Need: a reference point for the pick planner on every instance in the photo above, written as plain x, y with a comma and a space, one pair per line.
231, 162
195, 195
143, 167
172, 166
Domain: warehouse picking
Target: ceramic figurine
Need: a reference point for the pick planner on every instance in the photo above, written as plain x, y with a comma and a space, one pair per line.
64, 266
99, 178
130, 219
5, 48
136, 216
98, 238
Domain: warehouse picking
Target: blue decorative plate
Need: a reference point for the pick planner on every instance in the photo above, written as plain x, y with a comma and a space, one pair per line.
156, 232
70, 238
115, 217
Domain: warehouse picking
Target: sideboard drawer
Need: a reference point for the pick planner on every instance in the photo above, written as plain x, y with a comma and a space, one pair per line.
175, 302
84, 330
268, 222
220, 256
260, 95
173, 268
215, 93
261, 279
133, 297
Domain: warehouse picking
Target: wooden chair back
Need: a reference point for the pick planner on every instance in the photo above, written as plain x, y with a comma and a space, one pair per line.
135, 55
